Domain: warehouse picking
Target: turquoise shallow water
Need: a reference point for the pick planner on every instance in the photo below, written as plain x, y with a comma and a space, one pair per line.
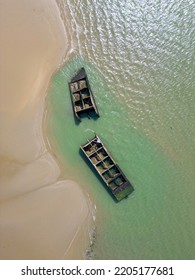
140, 63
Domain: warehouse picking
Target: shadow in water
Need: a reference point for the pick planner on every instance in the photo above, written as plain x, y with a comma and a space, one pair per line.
91, 116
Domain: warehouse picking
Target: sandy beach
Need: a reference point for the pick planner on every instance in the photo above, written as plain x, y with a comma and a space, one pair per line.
41, 217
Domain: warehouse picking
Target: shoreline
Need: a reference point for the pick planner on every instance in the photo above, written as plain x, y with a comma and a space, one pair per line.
35, 203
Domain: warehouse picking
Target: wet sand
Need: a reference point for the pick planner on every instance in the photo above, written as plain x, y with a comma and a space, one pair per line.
41, 217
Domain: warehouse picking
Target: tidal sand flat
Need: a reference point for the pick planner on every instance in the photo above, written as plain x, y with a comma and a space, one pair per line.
42, 216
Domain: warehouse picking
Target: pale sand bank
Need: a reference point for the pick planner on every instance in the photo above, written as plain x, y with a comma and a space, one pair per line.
40, 217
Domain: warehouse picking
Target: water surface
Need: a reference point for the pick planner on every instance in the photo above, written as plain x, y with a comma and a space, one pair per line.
139, 58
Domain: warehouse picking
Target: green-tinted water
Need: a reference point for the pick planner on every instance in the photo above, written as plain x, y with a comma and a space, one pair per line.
140, 62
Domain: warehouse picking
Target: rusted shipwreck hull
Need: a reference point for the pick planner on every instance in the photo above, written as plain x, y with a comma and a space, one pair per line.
83, 101
111, 174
